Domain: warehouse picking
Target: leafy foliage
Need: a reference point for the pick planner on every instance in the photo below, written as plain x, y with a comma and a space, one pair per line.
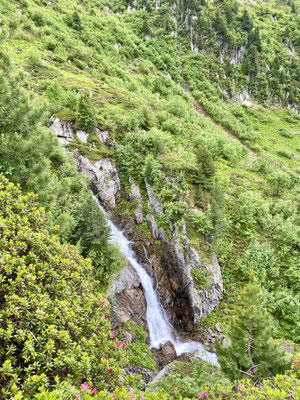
53, 322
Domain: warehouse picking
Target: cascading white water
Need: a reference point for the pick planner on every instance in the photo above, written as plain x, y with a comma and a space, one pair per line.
160, 329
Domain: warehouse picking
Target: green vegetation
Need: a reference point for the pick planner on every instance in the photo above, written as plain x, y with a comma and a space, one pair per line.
53, 325
168, 84
202, 380
252, 353
139, 352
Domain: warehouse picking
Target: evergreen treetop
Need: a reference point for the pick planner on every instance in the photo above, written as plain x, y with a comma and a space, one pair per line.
252, 353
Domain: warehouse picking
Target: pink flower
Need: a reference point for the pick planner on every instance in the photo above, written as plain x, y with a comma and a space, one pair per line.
132, 395
142, 396
102, 303
106, 316
124, 345
113, 395
103, 358
110, 370
94, 391
2, 259
118, 344
240, 387
84, 386
204, 393
112, 334
199, 395
77, 397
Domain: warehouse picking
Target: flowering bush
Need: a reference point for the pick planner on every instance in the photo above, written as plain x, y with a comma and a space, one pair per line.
203, 381
52, 320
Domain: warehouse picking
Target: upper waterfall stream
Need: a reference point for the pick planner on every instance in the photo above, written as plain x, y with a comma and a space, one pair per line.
160, 329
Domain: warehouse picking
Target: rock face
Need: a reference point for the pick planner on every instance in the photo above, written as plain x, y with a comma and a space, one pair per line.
130, 303
136, 198
104, 178
82, 136
152, 226
185, 304
62, 129
189, 304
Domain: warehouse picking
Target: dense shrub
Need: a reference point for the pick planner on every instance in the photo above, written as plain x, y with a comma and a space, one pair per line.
52, 321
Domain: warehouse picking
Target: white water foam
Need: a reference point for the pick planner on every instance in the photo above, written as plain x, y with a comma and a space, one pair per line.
161, 330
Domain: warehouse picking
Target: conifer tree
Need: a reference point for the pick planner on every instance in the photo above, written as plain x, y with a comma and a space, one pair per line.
29, 154
217, 211
23, 144
76, 21
252, 352
247, 23
206, 169
86, 118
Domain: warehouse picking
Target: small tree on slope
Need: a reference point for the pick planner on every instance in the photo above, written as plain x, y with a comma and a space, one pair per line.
252, 353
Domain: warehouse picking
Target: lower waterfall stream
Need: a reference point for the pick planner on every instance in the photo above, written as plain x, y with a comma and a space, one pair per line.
161, 330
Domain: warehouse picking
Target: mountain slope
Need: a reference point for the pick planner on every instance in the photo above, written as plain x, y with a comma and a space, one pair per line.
146, 65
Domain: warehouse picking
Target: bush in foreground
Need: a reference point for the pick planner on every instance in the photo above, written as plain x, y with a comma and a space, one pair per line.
52, 321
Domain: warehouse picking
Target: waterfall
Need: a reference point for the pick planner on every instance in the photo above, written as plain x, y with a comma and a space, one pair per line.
161, 330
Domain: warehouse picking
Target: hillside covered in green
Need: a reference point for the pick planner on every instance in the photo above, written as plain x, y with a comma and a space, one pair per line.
201, 99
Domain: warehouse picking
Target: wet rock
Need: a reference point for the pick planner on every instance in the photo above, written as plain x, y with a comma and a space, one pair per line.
165, 354
129, 301
152, 226
188, 305
168, 350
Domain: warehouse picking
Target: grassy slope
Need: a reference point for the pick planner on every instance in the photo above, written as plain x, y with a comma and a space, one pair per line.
131, 81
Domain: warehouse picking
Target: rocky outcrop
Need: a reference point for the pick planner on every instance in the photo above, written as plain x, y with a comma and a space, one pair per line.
104, 178
63, 130
243, 98
135, 194
103, 174
129, 301
188, 305
82, 136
